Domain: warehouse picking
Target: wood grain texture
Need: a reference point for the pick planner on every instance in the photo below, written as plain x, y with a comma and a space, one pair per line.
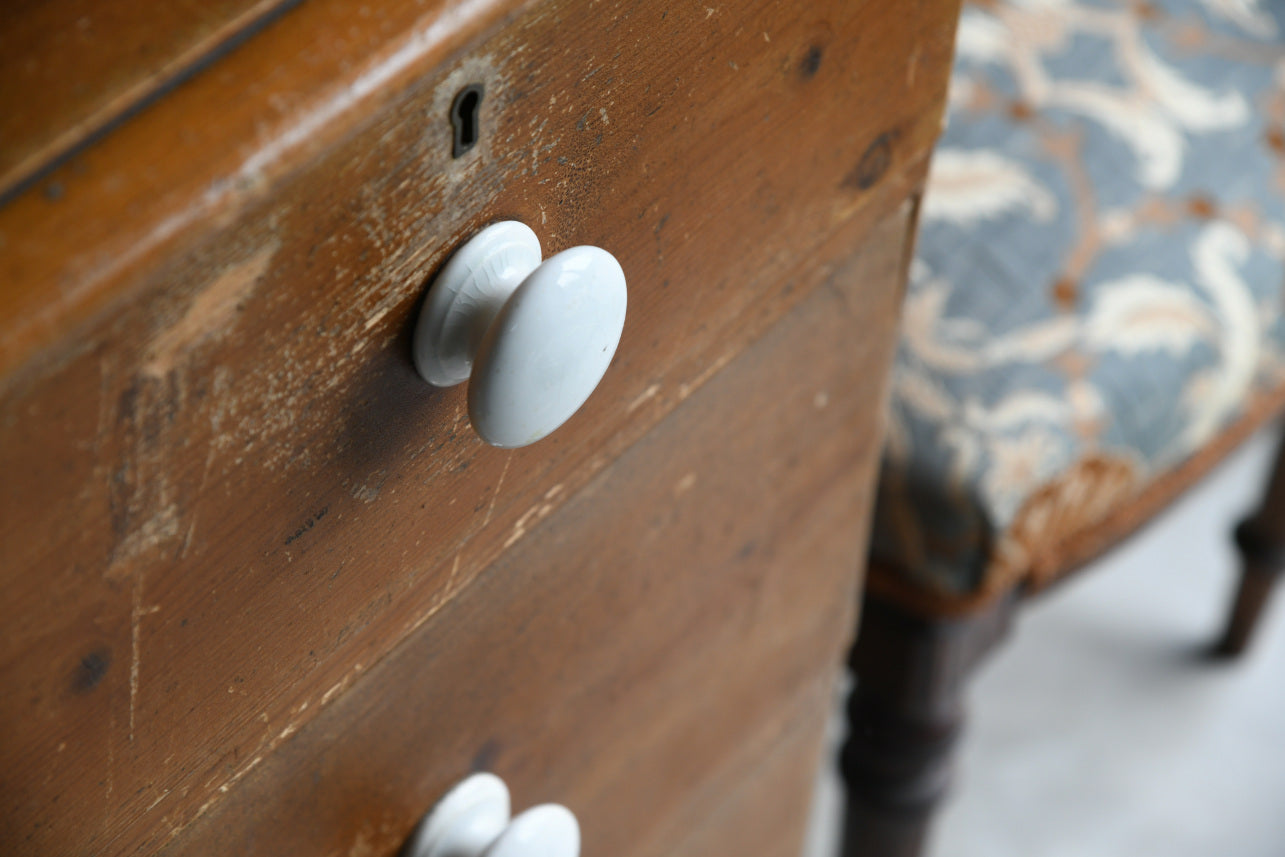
72, 67
227, 497
156, 184
657, 644
87, 236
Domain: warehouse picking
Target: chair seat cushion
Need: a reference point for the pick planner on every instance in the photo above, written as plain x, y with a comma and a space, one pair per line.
1097, 288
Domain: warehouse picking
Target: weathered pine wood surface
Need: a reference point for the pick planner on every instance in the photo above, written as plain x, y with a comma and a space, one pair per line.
667, 637
230, 512
71, 68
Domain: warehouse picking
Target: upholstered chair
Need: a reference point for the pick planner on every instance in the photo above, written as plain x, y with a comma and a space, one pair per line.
1094, 319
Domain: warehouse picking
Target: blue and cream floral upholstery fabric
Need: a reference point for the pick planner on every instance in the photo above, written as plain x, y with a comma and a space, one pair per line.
1098, 284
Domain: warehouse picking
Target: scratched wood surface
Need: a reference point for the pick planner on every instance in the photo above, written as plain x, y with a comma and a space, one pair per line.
72, 67
227, 496
666, 638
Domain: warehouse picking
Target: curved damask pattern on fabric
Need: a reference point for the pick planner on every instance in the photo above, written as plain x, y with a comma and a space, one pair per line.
1098, 284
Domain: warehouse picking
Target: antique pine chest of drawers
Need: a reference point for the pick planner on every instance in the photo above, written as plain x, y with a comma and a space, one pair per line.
265, 590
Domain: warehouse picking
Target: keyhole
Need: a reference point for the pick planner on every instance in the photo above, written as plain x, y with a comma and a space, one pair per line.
464, 118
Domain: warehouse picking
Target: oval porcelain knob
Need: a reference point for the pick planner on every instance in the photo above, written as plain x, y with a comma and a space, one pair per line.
472, 820
532, 338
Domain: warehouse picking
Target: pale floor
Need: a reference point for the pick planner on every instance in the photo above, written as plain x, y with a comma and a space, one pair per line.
1098, 730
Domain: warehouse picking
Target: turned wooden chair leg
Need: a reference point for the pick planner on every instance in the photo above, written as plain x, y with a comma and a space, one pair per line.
904, 716
1261, 541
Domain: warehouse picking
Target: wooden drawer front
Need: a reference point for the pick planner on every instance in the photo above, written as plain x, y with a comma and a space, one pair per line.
660, 655
227, 496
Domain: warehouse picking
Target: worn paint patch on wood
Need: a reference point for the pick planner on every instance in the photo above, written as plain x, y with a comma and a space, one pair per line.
210, 315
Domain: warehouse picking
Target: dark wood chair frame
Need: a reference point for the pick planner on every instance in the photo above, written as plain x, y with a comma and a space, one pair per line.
906, 710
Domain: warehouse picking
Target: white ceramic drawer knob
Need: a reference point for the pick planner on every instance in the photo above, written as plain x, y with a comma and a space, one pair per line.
473, 821
532, 338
